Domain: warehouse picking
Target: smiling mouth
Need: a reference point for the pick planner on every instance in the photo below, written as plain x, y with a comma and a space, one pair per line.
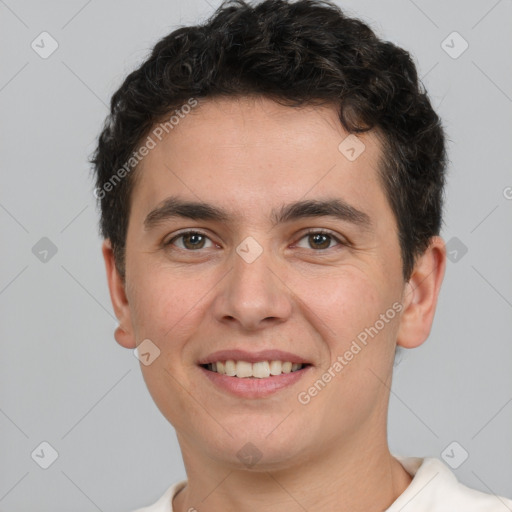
258, 370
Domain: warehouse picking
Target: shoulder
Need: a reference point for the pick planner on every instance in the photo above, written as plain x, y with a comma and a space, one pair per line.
435, 488
164, 503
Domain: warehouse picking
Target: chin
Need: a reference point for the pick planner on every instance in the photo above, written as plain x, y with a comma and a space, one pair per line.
260, 452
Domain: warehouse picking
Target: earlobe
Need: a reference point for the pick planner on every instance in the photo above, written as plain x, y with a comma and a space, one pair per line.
123, 333
124, 338
421, 294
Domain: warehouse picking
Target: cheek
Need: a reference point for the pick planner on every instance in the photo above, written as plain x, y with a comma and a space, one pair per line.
167, 310
361, 348
163, 305
353, 314
342, 303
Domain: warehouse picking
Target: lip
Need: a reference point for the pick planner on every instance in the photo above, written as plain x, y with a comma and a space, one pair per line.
253, 357
251, 387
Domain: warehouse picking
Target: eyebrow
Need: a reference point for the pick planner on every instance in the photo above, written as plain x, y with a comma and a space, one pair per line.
174, 206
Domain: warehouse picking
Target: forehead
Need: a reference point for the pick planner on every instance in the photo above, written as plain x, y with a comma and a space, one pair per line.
248, 151
259, 122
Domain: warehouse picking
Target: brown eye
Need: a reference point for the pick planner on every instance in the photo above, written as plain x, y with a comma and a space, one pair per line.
320, 240
193, 241
190, 241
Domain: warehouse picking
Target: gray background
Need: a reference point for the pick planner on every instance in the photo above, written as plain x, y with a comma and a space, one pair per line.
64, 379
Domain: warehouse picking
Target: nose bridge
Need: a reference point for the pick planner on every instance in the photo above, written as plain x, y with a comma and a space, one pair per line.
252, 292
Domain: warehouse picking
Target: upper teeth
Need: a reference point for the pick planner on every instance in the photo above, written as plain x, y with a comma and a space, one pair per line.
260, 370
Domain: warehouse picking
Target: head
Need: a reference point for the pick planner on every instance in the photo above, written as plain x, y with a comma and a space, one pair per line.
315, 163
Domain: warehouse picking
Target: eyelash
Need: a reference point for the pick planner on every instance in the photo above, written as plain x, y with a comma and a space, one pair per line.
309, 232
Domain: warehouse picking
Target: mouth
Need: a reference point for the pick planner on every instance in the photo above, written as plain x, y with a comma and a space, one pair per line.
248, 374
257, 370
252, 380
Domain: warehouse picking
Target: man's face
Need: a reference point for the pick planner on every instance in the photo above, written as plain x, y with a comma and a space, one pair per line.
283, 289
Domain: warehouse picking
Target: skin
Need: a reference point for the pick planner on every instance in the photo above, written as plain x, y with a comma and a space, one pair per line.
249, 156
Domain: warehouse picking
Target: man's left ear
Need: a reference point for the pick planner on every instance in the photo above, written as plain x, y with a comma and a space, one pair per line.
420, 295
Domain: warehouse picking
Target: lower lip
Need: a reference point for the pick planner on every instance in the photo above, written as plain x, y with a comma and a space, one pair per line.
251, 387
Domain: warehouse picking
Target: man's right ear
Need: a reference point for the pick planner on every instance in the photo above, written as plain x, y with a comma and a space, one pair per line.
124, 332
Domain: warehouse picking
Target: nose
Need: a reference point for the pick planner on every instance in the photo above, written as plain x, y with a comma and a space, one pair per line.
253, 295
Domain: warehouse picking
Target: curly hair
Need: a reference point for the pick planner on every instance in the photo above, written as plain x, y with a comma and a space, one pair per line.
306, 52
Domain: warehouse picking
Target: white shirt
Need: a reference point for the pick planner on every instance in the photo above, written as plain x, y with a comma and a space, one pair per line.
434, 488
